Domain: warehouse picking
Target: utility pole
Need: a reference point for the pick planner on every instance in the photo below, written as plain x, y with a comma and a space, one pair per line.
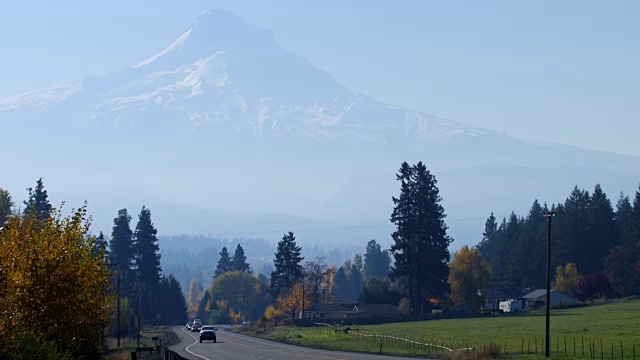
118, 331
548, 215
302, 310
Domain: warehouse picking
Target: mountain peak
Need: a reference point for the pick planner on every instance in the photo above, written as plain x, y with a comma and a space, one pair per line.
212, 31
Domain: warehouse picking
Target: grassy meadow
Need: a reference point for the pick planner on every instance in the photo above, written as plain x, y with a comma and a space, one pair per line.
608, 331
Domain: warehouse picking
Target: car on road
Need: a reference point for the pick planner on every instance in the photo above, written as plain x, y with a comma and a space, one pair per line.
195, 327
189, 323
208, 333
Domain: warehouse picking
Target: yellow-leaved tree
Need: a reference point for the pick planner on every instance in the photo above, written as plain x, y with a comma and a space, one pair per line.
567, 278
290, 300
53, 286
467, 273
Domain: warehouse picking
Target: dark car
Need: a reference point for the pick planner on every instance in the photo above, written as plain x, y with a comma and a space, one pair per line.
208, 333
195, 327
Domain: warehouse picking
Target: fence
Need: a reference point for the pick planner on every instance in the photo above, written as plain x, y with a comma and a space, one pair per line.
568, 347
171, 355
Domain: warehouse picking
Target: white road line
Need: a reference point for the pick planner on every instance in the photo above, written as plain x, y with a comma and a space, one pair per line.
195, 341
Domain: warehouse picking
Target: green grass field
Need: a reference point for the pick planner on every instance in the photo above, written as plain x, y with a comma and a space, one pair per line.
598, 327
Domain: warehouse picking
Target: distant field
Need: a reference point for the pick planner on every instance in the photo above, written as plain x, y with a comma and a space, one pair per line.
608, 324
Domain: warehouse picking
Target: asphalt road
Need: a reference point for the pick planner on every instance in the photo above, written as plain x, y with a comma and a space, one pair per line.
236, 346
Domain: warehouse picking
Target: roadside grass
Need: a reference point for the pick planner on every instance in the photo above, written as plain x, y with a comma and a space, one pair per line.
129, 344
607, 331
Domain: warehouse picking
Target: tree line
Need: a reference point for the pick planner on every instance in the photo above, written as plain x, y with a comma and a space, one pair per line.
588, 235
414, 270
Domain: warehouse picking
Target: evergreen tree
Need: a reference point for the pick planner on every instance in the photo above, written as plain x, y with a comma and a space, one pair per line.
535, 245
421, 242
172, 305
624, 222
488, 236
239, 262
38, 203
341, 286
574, 233
100, 246
287, 265
635, 220
518, 254
355, 283
146, 263
121, 254
376, 261
146, 250
224, 263
6, 206
604, 232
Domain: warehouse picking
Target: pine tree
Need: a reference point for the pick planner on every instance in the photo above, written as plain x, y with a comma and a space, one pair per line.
624, 222
38, 203
146, 262
535, 240
355, 283
239, 262
635, 220
224, 263
287, 261
376, 261
341, 286
420, 242
573, 237
121, 254
604, 232
100, 246
146, 250
6, 206
172, 306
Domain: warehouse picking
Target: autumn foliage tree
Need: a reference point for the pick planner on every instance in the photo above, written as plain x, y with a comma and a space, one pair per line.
290, 300
567, 278
52, 285
467, 273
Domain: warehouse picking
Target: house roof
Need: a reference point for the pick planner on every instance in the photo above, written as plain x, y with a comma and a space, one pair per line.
377, 308
500, 293
329, 307
537, 293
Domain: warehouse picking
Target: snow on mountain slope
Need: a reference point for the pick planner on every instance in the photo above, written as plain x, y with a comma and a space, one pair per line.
235, 77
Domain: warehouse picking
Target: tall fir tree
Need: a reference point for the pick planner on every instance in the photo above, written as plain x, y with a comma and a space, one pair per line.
341, 287
604, 232
624, 222
146, 263
572, 239
225, 264
38, 203
376, 261
171, 303
535, 242
6, 206
100, 246
287, 262
121, 255
239, 262
421, 243
635, 220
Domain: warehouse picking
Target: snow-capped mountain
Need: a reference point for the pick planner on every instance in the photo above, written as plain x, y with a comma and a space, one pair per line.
226, 73
225, 118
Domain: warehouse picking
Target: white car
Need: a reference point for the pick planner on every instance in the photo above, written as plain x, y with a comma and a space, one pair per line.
208, 333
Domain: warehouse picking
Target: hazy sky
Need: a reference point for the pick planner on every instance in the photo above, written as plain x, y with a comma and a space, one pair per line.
563, 71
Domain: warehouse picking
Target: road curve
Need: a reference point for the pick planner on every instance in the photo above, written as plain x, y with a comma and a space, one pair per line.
235, 346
